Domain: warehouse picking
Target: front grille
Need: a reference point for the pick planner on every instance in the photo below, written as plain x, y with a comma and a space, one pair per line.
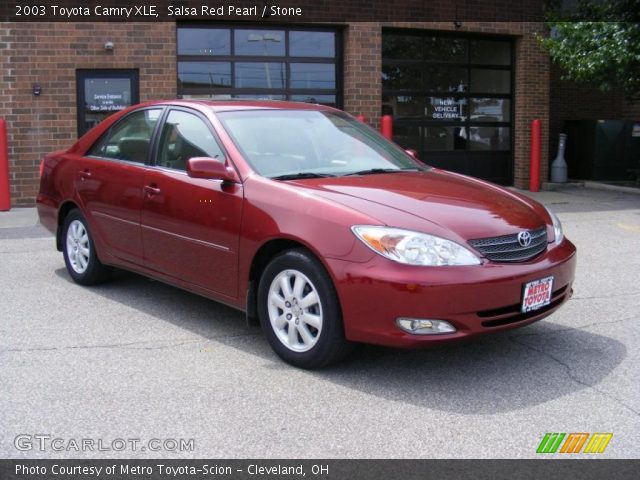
507, 249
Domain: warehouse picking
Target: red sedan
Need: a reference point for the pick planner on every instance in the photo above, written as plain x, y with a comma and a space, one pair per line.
307, 220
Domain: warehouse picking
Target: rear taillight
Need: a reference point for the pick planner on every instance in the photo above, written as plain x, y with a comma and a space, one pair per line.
41, 167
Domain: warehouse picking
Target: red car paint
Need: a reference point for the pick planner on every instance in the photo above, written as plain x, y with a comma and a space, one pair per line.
204, 235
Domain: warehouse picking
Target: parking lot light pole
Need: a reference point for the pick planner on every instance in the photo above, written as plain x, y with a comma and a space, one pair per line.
267, 37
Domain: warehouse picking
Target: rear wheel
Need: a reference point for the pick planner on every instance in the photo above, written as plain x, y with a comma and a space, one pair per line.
80, 253
299, 311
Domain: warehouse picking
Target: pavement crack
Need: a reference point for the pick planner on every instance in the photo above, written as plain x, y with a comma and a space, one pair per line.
160, 344
15, 252
128, 346
613, 295
572, 376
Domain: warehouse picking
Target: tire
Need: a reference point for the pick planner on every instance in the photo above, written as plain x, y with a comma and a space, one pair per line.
79, 251
304, 330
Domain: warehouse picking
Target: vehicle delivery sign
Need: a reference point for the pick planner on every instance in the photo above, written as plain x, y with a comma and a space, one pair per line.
537, 294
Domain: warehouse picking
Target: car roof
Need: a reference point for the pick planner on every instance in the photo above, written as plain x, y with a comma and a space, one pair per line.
234, 105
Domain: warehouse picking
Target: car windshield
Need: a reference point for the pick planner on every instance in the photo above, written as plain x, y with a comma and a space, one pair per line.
289, 144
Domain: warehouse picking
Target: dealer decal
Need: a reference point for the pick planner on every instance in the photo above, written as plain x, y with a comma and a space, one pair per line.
537, 294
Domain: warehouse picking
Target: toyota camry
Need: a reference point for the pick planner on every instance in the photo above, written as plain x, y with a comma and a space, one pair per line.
308, 220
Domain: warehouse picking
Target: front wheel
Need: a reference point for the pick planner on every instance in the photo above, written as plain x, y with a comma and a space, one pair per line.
299, 311
80, 253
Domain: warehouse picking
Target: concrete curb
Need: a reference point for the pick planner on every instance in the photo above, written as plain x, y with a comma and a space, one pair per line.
558, 187
612, 188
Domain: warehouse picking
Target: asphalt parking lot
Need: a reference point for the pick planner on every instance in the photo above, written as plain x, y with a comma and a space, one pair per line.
136, 359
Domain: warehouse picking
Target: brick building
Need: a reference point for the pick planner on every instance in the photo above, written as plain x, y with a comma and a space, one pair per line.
461, 93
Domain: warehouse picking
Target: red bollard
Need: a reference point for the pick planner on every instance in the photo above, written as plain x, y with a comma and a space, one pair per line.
534, 167
386, 126
5, 195
362, 118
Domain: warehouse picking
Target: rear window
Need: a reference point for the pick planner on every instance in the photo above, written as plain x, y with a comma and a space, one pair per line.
130, 138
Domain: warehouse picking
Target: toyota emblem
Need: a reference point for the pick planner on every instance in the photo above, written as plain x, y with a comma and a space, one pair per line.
524, 238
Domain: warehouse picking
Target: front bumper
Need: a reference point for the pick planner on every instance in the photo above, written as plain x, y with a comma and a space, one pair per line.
475, 299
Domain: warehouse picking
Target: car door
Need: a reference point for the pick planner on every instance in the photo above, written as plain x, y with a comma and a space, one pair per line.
190, 226
109, 182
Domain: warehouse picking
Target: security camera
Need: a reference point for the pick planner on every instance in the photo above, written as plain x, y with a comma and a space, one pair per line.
108, 46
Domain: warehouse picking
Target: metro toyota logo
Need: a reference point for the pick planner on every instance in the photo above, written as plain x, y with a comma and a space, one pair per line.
524, 238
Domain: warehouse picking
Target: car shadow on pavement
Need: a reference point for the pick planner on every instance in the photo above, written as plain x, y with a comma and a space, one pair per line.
505, 371
497, 373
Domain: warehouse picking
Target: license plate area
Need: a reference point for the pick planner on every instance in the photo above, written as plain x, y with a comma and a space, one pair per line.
536, 294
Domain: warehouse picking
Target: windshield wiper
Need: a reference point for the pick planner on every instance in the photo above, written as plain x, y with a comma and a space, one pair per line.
301, 175
373, 171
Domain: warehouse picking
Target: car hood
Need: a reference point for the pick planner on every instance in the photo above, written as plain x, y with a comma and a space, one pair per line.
469, 207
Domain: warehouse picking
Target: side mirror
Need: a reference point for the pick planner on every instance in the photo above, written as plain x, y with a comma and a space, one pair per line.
210, 168
412, 153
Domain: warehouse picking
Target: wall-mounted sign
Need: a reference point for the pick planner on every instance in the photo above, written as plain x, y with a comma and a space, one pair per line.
102, 92
108, 102
107, 94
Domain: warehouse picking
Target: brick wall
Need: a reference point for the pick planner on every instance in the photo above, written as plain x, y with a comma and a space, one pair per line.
49, 54
532, 102
362, 69
631, 109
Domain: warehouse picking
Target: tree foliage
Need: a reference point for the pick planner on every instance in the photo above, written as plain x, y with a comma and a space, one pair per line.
597, 43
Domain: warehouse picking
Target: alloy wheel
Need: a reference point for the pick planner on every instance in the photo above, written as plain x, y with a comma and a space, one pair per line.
78, 247
295, 310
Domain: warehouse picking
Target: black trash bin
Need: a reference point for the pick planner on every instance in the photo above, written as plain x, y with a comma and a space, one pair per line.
602, 150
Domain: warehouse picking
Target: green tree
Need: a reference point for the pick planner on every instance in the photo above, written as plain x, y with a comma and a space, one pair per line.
597, 43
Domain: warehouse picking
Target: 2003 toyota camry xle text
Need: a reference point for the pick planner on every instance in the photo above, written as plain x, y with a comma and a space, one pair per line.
306, 219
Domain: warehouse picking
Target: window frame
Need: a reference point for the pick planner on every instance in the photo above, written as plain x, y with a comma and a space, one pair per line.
287, 59
422, 65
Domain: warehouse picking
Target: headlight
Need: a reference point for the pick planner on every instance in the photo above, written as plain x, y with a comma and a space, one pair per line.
414, 248
557, 227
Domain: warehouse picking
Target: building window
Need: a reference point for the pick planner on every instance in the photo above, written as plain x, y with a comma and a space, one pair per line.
299, 64
451, 99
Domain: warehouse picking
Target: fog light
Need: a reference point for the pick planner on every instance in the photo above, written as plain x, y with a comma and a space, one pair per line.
419, 326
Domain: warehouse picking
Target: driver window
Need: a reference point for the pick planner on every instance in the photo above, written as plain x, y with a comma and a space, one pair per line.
185, 136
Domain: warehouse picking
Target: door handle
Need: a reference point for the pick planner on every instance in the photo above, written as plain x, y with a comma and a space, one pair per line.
84, 174
151, 190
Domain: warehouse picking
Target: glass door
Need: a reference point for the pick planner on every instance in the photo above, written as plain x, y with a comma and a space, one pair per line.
451, 99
